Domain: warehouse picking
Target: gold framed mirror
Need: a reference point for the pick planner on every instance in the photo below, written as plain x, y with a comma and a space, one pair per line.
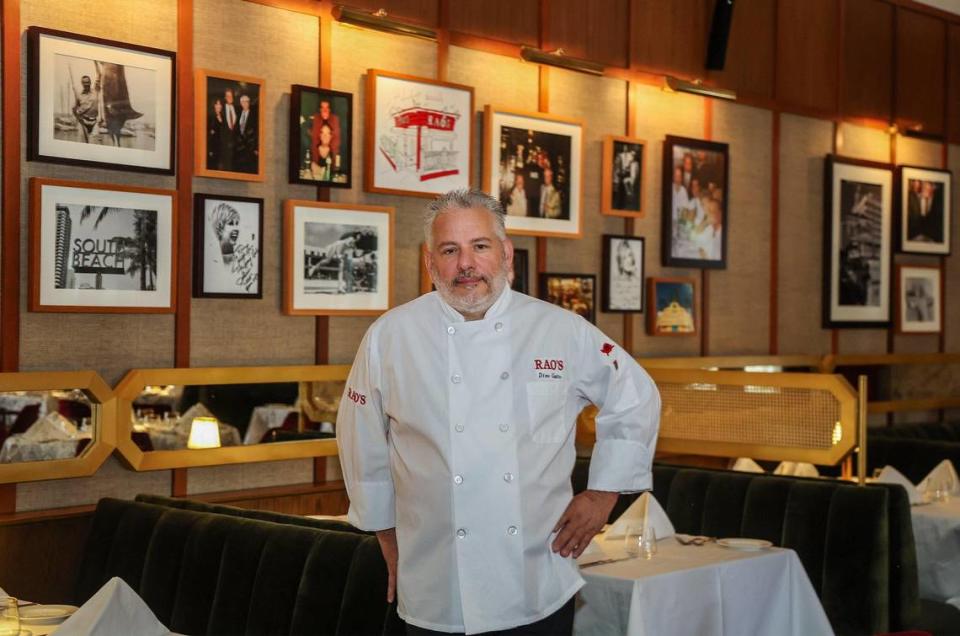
54, 425
184, 418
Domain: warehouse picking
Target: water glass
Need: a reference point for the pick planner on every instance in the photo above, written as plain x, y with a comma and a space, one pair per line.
9, 617
648, 543
631, 540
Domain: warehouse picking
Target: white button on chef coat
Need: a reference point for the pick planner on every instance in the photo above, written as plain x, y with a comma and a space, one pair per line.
475, 556
451, 330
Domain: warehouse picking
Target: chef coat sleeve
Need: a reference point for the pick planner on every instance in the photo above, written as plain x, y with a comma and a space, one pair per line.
628, 417
362, 439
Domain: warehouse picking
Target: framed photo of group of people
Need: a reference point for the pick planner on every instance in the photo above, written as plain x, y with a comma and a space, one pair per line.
860, 229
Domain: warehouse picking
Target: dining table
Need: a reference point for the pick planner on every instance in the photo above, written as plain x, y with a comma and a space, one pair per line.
936, 532
698, 590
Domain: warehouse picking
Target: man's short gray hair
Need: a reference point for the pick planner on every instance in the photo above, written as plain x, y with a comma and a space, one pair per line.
464, 199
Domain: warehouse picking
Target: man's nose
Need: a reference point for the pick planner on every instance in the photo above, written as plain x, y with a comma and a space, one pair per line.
465, 260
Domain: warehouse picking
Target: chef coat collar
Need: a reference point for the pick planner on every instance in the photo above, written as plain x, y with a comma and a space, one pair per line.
496, 309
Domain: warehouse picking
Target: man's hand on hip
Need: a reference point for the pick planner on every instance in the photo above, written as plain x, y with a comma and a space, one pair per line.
388, 545
584, 517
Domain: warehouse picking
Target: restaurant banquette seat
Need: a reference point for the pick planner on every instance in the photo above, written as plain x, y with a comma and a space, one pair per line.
914, 449
207, 573
856, 543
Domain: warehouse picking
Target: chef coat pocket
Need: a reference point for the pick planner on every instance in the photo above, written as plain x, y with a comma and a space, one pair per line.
545, 406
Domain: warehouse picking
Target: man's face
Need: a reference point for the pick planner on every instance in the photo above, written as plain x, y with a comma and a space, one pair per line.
245, 102
468, 263
325, 110
228, 96
678, 176
548, 176
85, 82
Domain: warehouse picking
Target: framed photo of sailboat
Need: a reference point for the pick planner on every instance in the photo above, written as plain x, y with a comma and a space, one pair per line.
100, 103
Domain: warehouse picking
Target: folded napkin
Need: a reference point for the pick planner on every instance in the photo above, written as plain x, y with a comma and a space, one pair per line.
890, 475
114, 609
197, 410
52, 426
797, 469
644, 511
944, 476
747, 465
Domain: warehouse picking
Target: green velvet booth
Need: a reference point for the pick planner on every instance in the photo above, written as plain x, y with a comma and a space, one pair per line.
913, 449
209, 573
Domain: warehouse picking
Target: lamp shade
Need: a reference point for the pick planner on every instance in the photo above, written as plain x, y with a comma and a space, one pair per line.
204, 433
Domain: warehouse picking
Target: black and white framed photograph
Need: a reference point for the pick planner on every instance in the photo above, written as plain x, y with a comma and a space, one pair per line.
100, 103
694, 217
338, 259
101, 248
622, 273
229, 126
919, 302
926, 206
622, 189
573, 292
857, 252
521, 271
228, 247
534, 164
321, 137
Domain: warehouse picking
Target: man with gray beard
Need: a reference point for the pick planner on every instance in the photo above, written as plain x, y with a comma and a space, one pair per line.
456, 437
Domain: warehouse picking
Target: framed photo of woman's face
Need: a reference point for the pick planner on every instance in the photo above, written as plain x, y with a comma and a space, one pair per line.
533, 163
857, 249
321, 137
100, 103
98, 248
622, 273
337, 259
695, 221
574, 292
229, 126
919, 299
926, 206
228, 247
621, 193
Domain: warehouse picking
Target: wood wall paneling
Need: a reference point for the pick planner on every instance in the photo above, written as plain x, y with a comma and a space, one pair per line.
590, 30
920, 62
867, 59
749, 67
10, 222
953, 82
515, 21
670, 37
422, 11
807, 48
40, 560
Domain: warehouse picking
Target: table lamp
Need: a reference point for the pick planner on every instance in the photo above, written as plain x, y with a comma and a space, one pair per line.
204, 433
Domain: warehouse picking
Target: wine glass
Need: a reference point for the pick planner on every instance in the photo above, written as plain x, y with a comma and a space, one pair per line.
9, 617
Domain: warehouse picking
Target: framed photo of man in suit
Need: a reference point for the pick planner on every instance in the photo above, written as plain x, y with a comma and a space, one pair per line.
229, 126
925, 210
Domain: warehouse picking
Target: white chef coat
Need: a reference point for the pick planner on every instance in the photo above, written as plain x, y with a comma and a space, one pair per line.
461, 435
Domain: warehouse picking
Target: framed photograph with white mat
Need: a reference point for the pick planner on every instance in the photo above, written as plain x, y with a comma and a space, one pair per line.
100, 103
101, 248
857, 243
337, 259
622, 273
919, 299
926, 206
227, 246
533, 163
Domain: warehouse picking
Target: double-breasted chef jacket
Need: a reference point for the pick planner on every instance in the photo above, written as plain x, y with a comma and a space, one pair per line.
461, 435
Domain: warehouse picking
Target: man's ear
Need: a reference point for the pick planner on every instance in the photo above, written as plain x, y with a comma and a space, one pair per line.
428, 259
508, 252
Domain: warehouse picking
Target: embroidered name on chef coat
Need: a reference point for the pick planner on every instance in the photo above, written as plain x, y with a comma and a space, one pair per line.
548, 368
356, 397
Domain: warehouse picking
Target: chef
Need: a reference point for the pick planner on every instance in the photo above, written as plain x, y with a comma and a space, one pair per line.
456, 437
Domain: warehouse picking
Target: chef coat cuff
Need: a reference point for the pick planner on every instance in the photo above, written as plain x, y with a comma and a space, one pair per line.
620, 465
373, 506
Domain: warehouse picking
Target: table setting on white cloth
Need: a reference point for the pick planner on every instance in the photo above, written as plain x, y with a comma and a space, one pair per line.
691, 585
264, 418
51, 437
172, 433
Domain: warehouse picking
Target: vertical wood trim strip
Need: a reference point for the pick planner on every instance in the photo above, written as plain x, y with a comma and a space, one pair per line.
319, 470
321, 354
891, 341
705, 274
10, 229
945, 164
178, 482
628, 223
774, 326
185, 169
8, 499
443, 39
543, 105
835, 148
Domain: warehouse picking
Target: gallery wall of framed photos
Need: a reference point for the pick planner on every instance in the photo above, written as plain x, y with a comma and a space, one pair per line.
775, 161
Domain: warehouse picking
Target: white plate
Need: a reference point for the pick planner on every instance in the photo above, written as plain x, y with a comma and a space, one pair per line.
747, 545
46, 614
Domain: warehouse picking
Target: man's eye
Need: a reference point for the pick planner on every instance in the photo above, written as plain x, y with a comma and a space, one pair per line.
483, 247
447, 252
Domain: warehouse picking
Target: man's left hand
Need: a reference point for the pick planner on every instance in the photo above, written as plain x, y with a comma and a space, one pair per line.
584, 517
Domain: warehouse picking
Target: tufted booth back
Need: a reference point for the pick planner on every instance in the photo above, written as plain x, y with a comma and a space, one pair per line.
913, 449
206, 573
942, 431
856, 544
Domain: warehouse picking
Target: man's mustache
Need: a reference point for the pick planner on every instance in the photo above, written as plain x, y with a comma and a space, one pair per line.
469, 274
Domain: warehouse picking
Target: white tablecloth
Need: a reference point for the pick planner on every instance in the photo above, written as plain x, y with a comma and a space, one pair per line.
17, 449
16, 401
700, 591
936, 530
264, 418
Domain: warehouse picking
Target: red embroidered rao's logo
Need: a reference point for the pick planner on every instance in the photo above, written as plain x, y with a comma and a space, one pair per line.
606, 348
548, 365
358, 398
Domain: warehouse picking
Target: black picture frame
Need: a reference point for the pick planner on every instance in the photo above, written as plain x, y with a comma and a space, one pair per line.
853, 255
201, 240
553, 296
38, 145
677, 255
906, 205
616, 274
521, 271
342, 110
